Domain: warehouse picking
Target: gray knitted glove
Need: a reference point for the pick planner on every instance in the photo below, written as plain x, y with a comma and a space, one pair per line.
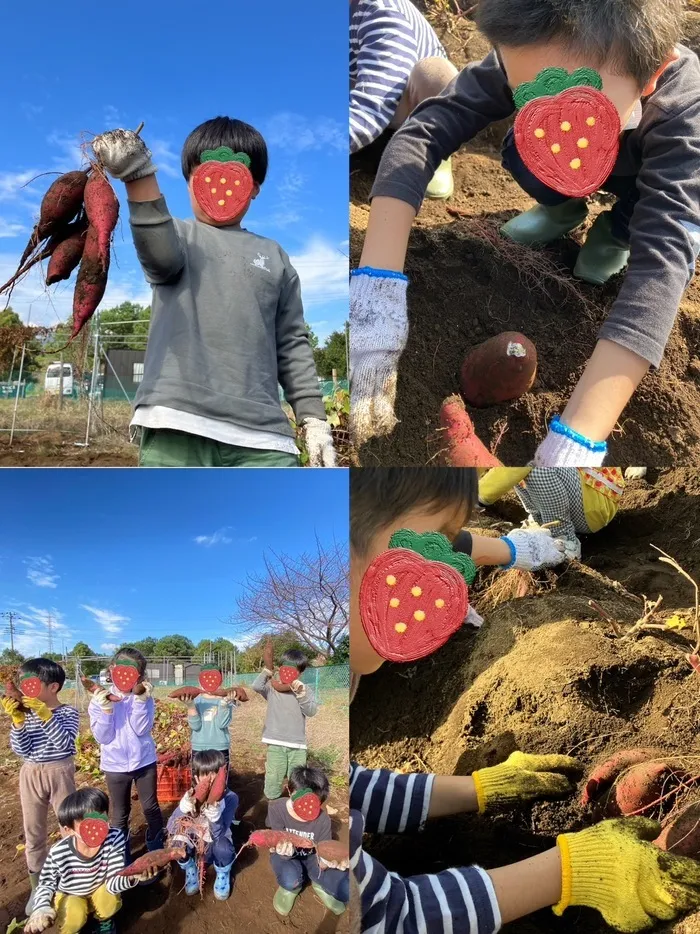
124, 155
319, 442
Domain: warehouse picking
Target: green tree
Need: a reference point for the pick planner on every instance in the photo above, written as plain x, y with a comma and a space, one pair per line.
146, 646
127, 321
174, 645
213, 647
13, 335
83, 650
341, 656
332, 356
11, 657
252, 658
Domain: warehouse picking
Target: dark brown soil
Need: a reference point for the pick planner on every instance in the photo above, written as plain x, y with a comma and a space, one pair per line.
47, 449
546, 674
467, 284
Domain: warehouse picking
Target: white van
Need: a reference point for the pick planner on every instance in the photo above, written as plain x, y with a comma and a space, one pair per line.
52, 380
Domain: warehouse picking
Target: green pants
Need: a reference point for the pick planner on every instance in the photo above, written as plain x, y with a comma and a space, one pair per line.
161, 447
280, 762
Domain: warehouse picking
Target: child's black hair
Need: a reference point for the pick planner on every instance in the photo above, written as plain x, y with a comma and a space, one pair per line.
303, 776
207, 761
45, 670
134, 655
79, 803
632, 37
225, 131
379, 496
295, 659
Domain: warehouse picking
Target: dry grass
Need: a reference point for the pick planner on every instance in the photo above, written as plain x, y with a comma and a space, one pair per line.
42, 413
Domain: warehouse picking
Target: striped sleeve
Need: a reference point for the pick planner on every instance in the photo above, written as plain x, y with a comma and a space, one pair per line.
48, 883
20, 741
388, 801
62, 729
116, 861
456, 901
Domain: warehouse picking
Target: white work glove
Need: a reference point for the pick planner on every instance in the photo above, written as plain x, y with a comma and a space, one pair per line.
473, 619
378, 335
319, 442
39, 920
188, 805
101, 698
536, 549
285, 850
572, 548
299, 688
564, 447
213, 812
146, 694
635, 473
124, 155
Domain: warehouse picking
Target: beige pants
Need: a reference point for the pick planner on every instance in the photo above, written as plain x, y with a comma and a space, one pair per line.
428, 79
42, 784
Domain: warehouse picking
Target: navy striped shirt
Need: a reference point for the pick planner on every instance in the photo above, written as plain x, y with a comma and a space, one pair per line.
456, 901
387, 38
66, 870
37, 741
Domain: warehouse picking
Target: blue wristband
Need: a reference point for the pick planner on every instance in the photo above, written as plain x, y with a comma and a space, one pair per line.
599, 447
513, 553
378, 273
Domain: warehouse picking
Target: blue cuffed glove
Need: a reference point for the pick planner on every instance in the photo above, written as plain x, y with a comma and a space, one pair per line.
378, 335
564, 447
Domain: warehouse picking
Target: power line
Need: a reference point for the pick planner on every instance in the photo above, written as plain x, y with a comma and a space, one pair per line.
12, 629
49, 630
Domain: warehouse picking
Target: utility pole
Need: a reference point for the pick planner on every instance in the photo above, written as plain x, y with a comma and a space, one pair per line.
11, 626
49, 631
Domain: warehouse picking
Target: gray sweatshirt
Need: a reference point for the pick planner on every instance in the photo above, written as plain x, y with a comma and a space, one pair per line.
285, 724
663, 153
227, 323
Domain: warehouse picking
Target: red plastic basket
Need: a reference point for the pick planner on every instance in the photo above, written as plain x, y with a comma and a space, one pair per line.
173, 782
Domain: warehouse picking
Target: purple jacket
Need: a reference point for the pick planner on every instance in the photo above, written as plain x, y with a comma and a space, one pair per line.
124, 734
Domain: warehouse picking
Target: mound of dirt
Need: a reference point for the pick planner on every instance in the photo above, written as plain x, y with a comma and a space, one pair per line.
545, 674
467, 284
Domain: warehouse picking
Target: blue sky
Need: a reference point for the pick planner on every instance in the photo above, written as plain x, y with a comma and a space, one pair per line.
117, 555
278, 65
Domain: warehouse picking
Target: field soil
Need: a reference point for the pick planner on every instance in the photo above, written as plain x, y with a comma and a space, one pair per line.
163, 908
546, 674
467, 284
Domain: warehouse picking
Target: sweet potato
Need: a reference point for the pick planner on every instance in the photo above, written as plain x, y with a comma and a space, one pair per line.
59, 205
156, 859
463, 448
334, 851
65, 258
603, 776
218, 786
93, 688
270, 838
240, 694
92, 281
682, 835
500, 369
185, 693
102, 209
202, 789
12, 691
63, 233
641, 787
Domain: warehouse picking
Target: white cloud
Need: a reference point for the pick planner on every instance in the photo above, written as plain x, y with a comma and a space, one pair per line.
108, 620
109, 648
167, 161
33, 628
293, 131
10, 229
41, 573
323, 271
216, 538
113, 117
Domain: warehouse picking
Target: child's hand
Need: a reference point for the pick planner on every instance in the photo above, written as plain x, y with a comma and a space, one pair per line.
146, 693
43, 712
299, 688
535, 549
319, 442
614, 868
101, 698
285, 850
188, 804
39, 920
146, 875
377, 338
124, 155
334, 864
523, 778
11, 708
213, 812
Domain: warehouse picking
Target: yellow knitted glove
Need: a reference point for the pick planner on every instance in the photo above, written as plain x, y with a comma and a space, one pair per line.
631, 882
43, 712
523, 778
11, 708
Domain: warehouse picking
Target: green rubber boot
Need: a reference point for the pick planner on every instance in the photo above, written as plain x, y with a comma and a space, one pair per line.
442, 183
332, 904
602, 256
541, 225
283, 901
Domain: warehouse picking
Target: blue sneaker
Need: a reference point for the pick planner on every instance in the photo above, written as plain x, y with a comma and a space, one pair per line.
191, 876
222, 883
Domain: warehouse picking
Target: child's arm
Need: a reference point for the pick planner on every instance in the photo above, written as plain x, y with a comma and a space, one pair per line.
219, 826
261, 683
522, 549
224, 714
194, 717
62, 729
141, 715
305, 699
48, 885
101, 724
116, 861
159, 249
498, 481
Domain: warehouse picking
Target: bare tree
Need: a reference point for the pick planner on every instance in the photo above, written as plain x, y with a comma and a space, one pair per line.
308, 594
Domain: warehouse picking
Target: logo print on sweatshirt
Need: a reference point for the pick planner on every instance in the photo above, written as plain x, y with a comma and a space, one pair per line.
259, 262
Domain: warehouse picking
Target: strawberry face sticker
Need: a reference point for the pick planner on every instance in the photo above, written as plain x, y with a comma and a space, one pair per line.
94, 828
288, 674
125, 674
306, 803
567, 131
30, 685
222, 184
210, 678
